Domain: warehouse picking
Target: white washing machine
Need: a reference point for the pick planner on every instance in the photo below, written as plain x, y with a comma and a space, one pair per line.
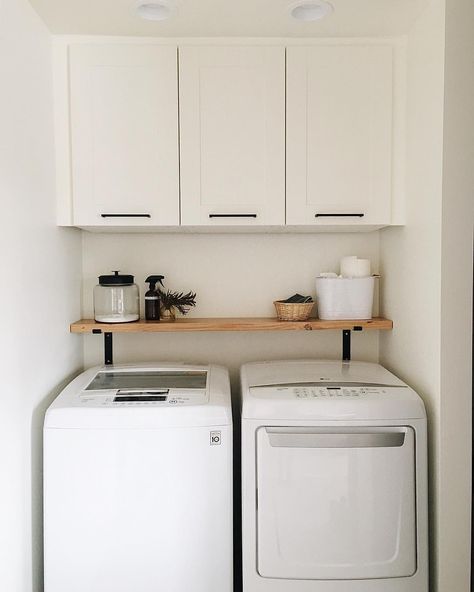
138, 481
334, 479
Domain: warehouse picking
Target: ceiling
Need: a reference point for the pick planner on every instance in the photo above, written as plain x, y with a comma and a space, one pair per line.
229, 18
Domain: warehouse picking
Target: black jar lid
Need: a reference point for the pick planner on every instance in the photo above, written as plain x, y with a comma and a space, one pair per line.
117, 279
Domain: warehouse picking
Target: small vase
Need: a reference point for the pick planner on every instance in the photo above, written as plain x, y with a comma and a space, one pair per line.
168, 314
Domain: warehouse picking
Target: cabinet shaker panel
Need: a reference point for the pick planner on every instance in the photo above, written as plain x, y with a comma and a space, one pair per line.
124, 135
232, 135
339, 134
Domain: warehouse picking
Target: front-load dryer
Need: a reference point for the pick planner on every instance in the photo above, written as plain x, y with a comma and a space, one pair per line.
138, 481
334, 479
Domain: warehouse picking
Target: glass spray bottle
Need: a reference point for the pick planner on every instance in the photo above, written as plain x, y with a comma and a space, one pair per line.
152, 298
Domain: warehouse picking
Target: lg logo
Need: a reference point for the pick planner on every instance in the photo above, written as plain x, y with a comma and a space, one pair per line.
215, 438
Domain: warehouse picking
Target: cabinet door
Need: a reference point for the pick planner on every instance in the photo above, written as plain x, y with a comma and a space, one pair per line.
339, 134
124, 135
232, 135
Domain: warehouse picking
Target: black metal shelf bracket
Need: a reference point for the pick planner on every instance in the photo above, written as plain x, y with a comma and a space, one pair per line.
108, 346
109, 351
346, 343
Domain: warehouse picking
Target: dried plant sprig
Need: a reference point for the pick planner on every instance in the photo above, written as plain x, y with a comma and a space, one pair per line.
183, 302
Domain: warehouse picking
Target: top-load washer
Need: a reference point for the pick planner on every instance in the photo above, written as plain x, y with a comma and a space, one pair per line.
334, 479
138, 481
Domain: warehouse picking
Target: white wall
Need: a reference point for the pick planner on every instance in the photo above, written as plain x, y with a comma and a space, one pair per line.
39, 289
456, 299
411, 255
233, 275
428, 264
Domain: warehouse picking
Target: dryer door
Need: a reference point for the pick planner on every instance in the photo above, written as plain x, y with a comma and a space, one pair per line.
336, 503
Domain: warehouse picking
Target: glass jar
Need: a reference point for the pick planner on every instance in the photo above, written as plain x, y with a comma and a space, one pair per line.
116, 299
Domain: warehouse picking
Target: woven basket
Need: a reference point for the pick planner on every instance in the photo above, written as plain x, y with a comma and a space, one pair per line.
287, 311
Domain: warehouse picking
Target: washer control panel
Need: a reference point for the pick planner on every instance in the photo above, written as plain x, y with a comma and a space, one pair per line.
142, 398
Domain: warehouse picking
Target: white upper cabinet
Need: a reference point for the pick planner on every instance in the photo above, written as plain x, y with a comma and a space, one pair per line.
317, 141
124, 135
232, 135
339, 134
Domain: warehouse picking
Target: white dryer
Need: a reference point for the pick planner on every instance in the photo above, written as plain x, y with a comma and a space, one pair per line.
334, 479
138, 481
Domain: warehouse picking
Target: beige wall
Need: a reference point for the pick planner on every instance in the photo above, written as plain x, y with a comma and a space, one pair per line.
456, 299
411, 255
428, 265
40, 287
233, 275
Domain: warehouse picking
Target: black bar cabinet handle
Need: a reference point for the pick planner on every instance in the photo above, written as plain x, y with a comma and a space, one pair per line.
339, 215
125, 215
232, 215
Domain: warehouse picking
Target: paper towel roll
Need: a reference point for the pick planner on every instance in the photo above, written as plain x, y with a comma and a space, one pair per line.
363, 268
348, 264
352, 267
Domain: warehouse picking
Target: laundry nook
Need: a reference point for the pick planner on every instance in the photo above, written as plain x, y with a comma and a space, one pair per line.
237, 343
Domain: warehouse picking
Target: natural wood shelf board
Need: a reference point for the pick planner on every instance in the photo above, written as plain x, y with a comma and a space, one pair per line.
226, 324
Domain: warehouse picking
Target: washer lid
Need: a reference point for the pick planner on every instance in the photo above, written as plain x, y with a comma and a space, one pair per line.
149, 379
326, 391
144, 396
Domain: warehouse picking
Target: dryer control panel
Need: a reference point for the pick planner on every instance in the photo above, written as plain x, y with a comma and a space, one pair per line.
336, 391
325, 391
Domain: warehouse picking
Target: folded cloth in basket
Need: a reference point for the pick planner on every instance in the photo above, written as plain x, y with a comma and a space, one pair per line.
297, 299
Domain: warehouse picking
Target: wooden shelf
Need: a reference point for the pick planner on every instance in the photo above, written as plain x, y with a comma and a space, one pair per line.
227, 324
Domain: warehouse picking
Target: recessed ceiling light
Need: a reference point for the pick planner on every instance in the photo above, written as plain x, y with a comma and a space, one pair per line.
154, 10
311, 10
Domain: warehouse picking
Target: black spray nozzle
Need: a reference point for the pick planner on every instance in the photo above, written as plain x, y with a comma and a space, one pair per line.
153, 280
